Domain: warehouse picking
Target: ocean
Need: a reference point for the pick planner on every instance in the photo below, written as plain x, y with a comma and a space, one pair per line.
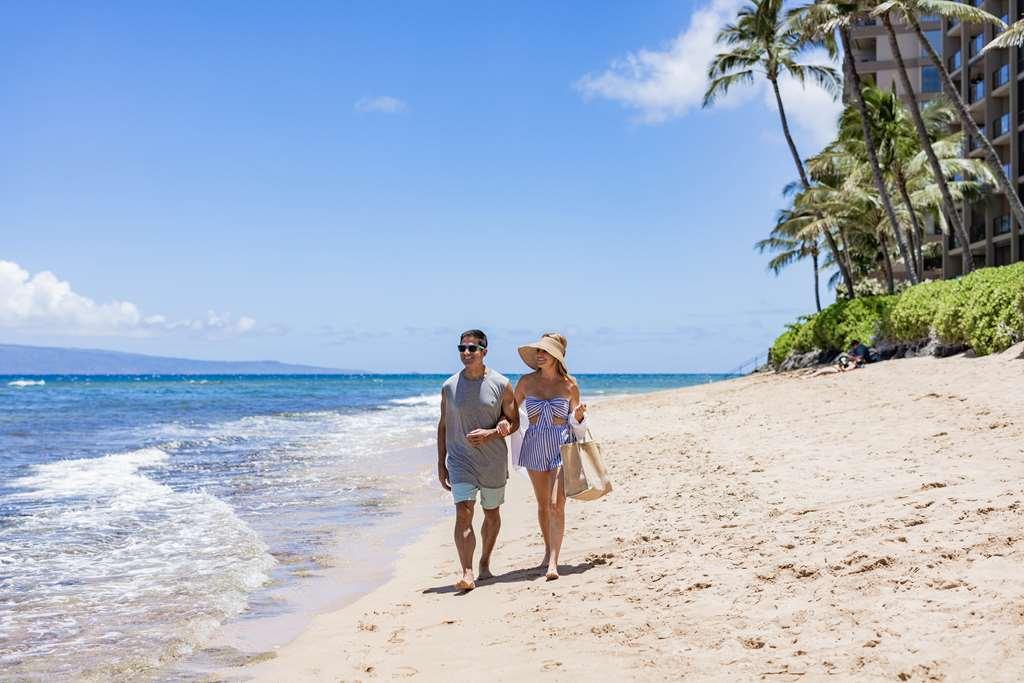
150, 525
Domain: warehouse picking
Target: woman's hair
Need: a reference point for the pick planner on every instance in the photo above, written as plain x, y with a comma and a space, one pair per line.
562, 370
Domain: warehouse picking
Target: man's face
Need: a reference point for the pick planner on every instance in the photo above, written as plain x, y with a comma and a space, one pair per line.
471, 351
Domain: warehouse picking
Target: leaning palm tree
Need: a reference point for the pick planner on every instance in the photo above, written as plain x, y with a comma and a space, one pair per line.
903, 8
821, 19
896, 143
790, 247
967, 13
761, 43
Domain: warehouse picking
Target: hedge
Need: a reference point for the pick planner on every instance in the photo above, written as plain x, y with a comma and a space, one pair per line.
984, 311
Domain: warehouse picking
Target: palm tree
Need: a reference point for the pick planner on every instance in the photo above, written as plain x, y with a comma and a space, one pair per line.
905, 7
790, 247
821, 19
967, 13
760, 42
896, 143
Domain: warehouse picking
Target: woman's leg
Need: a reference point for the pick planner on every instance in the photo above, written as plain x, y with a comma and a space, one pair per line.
556, 521
542, 491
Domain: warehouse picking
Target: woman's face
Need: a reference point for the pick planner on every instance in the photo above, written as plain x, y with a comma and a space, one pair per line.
543, 358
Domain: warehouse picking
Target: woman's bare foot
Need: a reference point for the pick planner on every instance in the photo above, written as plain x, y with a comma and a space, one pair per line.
552, 573
545, 562
484, 573
466, 582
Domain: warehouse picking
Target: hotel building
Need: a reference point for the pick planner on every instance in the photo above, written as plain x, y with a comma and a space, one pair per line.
991, 84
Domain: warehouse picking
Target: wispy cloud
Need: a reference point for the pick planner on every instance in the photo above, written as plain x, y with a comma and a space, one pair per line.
669, 83
382, 104
45, 303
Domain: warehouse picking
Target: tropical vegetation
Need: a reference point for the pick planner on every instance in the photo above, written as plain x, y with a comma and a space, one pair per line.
865, 209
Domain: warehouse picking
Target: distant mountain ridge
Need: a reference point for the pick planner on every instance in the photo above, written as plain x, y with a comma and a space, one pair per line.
47, 360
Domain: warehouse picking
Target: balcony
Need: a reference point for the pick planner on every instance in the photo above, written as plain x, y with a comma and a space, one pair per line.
976, 92
1001, 225
955, 61
975, 45
1001, 76
977, 232
1001, 126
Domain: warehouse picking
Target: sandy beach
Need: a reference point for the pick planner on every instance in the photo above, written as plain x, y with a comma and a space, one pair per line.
863, 526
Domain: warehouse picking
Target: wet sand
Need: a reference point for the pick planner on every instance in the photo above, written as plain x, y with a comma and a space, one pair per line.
863, 526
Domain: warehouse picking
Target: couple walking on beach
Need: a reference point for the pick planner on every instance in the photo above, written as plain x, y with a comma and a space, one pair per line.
479, 408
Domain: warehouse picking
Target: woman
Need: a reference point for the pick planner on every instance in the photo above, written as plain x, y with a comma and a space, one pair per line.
551, 399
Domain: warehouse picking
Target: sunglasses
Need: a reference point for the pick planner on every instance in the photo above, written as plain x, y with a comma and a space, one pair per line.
472, 348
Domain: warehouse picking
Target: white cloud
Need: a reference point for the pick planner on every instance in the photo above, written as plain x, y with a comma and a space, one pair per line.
667, 83
383, 104
44, 302
670, 83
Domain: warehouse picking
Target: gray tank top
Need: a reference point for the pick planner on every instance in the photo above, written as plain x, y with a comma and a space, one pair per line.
474, 404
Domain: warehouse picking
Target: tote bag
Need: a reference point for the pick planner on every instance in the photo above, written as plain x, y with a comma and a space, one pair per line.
585, 477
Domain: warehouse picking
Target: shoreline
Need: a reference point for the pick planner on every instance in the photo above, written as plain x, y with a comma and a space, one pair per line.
868, 525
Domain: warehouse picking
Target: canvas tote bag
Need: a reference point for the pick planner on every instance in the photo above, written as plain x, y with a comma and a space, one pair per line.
584, 475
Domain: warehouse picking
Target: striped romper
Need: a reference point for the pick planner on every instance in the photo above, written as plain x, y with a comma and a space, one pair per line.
542, 442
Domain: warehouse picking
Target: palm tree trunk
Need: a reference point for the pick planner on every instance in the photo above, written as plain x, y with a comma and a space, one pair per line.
901, 183
847, 277
886, 263
817, 288
970, 127
922, 134
869, 142
844, 244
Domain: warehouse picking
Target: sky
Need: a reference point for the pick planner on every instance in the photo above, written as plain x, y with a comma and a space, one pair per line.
353, 184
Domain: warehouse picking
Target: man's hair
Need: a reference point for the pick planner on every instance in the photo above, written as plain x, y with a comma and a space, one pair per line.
476, 334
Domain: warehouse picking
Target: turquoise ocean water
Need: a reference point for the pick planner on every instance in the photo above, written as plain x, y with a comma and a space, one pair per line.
139, 515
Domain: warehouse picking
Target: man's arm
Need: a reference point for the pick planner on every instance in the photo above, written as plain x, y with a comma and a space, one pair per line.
442, 451
510, 412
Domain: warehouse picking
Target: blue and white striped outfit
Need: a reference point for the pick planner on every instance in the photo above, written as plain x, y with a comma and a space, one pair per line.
541, 451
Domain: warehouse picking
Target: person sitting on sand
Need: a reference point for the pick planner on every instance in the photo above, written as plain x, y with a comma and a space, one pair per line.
550, 395
856, 357
478, 411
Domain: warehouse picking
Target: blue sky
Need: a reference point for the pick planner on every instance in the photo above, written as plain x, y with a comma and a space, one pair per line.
352, 184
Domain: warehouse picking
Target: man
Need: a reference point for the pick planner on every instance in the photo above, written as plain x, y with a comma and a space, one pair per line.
478, 410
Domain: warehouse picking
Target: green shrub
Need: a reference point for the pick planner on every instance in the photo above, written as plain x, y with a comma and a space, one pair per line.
986, 311
804, 340
863, 319
916, 310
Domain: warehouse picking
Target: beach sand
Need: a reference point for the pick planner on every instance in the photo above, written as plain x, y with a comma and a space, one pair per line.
863, 526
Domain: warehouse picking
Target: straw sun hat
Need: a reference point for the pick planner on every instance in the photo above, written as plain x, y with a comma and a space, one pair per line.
553, 343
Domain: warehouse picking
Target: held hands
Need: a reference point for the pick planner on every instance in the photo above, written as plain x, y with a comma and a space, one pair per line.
442, 476
478, 437
503, 428
581, 412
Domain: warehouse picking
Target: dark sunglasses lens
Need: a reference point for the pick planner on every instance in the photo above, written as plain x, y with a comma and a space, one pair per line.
472, 348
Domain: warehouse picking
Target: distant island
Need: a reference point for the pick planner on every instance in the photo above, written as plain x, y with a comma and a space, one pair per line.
44, 360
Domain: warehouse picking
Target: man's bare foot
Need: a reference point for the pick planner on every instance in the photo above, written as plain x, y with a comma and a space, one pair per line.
484, 573
544, 563
466, 582
552, 573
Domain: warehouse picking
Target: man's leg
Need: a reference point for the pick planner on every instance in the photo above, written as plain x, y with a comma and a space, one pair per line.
491, 501
465, 542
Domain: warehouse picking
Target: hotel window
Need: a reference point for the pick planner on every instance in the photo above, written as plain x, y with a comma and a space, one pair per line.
930, 79
935, 38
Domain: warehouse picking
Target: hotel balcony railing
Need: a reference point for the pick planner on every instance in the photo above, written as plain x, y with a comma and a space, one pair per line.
975, 45
1001, 76
976, 91
1001, 225
955, 61
977, 232
1001, 126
